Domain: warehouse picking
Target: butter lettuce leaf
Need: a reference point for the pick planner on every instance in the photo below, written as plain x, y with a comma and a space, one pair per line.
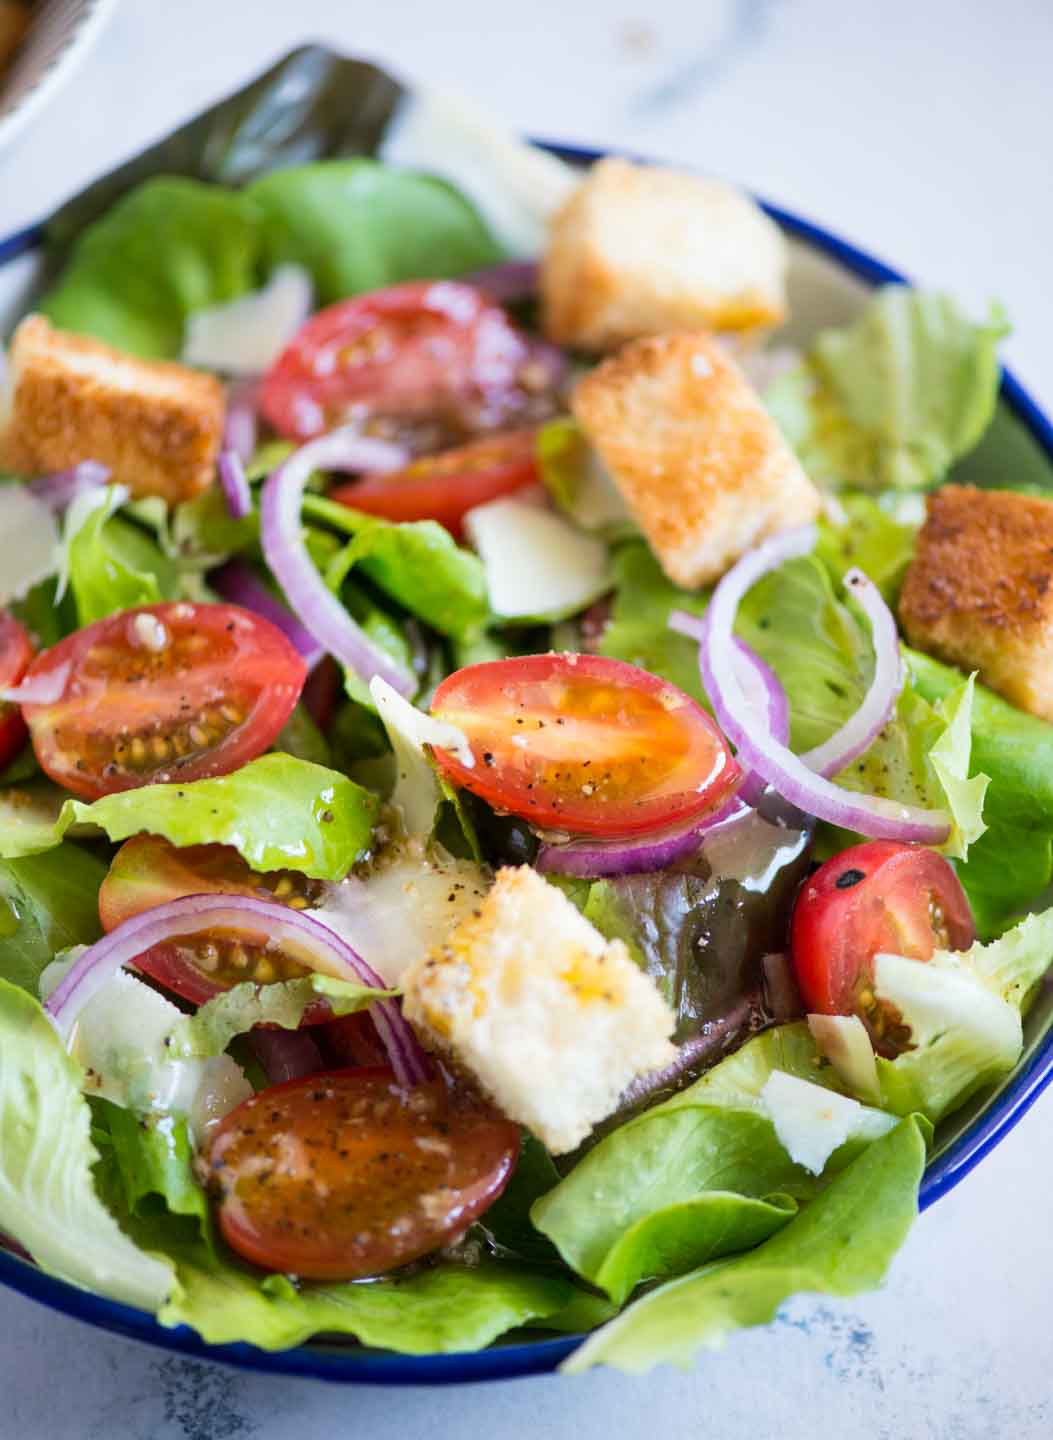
48, 903
48, 1200
277, 811
699, 1176
841, 1243
417, 563
893, 399
357, 225
169, 247
234, 1012
111, 564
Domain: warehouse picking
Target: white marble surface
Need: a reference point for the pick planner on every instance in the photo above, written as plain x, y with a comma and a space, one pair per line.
924, 131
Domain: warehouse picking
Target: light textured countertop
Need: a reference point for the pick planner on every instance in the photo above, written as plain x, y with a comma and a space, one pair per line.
922, 131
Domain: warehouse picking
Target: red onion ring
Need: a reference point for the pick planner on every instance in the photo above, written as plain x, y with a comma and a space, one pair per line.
862, 728
312, 602
591, 859
241, 428
238, 582
786, 772
61, 488
38, 689
235, 487
314, 944
506, 282
763, 689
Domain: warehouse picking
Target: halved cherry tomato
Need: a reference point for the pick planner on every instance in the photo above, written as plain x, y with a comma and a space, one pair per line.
347, 1173
880, 897
149, 871
163, 693
583, 743
431, 362
16, 651
445, 487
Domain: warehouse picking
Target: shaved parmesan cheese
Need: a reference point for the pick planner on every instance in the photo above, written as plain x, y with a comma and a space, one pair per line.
538, 565
29, 541
245, 336
417, 792
843, 1039
516, 187
812, 1122
404, 909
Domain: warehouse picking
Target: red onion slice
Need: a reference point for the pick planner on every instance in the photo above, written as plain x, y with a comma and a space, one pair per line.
38, 689
312, 943
592, 859
757, 750
238, 582
761, 686
241, 428
313, 603
506, 282
235, 487
860, 731
63, 487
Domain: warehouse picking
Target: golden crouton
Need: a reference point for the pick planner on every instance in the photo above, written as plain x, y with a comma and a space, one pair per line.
551, 1019
156, 424
979, 591
638, 250
702, 466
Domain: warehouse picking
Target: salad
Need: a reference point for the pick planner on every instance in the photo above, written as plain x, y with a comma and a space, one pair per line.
523, 800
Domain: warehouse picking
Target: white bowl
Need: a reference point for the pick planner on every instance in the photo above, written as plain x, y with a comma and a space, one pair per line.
61, 33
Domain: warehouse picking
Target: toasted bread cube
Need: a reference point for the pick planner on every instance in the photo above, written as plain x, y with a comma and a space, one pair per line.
639, 249
701, 464
551, 1019
156, 424
979, 591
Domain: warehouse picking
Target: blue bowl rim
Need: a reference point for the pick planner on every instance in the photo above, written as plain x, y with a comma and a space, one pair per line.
359, 1365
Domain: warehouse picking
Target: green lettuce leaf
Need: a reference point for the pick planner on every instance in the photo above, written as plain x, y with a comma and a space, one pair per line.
48, 1201
1012, 862
440, 1310
277, 811
111, 564
841, 1243
572, 474
696, 1177
47, 903
417, 563
964, 1013
871, 539
146, 1166
215, 1023
893, 399
357, 225
169, 247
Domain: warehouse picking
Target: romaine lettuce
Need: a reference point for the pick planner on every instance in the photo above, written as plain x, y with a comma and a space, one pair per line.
111, 564
214, 1024
277, 811
48, 1201
893, 399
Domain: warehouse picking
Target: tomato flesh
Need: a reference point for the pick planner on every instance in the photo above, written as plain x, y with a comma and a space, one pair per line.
429, 363
346, 1174
16, 651
163, 693
584, 744
445, 487
880, 897
148, 871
